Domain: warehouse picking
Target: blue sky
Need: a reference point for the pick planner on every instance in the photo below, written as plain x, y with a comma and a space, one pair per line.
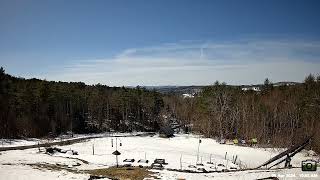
167, 42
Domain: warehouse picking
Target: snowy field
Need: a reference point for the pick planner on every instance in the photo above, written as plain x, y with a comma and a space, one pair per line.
35, 141
180, 152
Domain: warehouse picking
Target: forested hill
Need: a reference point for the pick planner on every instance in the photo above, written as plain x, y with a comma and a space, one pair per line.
277, 115
33, 108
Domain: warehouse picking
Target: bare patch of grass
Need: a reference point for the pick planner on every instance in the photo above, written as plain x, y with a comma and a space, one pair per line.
51, 167
123, 173
120, 173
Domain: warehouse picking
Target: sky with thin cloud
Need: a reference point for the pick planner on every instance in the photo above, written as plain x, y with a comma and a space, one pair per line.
121, 43
243, 62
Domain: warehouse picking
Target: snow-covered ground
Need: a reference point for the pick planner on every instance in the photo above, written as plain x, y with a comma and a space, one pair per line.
25, 172
179, 152
35, 141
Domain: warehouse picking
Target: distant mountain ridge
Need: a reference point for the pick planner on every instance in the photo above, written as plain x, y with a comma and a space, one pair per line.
197, 88
176, 89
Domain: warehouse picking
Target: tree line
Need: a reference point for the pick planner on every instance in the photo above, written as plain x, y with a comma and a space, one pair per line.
36, 108
276, 115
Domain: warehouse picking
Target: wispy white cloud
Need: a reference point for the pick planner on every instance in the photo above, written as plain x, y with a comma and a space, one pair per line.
191, 63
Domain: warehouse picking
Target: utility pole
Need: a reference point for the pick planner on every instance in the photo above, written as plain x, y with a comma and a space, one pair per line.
198, 150
181, 162
93, 149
